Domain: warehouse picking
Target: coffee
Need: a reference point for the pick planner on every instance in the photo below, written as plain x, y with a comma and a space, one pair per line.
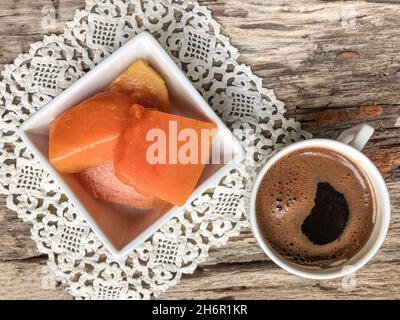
315, 207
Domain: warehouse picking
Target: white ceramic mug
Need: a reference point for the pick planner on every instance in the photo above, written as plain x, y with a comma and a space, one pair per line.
350, 143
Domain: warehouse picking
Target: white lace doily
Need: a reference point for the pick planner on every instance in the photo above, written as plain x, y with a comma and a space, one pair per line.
188, 32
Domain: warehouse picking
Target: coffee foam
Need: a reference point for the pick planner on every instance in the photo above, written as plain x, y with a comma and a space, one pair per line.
286, 197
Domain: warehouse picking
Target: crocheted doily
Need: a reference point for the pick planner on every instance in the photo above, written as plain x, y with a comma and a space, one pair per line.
192, 37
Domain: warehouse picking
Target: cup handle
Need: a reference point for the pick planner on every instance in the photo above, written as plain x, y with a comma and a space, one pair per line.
357, 137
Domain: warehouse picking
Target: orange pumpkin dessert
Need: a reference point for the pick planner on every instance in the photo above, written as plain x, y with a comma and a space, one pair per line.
114, 143
102, 183
85, 136
144, 85
172, 181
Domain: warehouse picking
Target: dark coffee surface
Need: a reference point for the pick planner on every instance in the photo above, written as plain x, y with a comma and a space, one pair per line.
328, 217
315, 207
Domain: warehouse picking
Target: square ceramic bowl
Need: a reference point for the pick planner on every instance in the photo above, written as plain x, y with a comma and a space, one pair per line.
122, 228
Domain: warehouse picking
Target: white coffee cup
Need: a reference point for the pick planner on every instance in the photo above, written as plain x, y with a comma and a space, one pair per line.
349, 143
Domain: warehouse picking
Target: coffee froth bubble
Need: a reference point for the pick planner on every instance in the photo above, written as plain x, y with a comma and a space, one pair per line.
315, 207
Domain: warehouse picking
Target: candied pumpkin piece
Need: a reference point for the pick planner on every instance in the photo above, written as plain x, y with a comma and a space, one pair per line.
85, 135
102, 183
162, 166
144, 85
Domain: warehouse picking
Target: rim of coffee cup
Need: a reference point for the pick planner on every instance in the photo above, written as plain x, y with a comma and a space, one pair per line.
382, 214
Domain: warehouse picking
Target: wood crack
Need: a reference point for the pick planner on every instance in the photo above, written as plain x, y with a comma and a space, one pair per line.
32, 259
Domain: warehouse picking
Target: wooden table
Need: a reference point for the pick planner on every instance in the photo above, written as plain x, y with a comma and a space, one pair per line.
334, 63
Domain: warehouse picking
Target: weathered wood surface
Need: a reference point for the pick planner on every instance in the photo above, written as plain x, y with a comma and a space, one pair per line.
332, 71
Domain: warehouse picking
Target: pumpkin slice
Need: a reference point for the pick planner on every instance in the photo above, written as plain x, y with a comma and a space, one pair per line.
139, 155
144, 85
85, 136
102, 183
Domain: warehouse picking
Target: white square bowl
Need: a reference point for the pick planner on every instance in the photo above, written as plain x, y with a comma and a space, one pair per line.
122, 228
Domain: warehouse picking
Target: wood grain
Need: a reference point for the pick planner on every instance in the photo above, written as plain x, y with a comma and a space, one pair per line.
24, 279
331, 72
